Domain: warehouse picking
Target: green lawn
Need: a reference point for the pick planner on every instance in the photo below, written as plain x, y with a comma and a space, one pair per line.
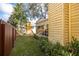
26, 46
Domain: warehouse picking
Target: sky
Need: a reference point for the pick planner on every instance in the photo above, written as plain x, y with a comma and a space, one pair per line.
6, 10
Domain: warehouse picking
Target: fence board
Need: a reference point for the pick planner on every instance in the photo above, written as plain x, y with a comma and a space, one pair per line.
7, 38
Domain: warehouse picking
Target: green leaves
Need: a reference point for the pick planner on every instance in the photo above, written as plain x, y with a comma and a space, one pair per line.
18, 15
72, 49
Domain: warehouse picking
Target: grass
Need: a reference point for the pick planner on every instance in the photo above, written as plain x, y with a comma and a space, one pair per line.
26, 46
39, 46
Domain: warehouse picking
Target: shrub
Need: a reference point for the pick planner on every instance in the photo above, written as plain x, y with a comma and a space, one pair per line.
72, 49
35, 36
56, 49
43, 44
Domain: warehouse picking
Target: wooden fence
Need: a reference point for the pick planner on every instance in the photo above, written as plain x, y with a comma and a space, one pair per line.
7, 38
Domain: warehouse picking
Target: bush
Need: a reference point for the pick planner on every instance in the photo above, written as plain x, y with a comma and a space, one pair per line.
36, 37
72, 49
56, 49
44, 46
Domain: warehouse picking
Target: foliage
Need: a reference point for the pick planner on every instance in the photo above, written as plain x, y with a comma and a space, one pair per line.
72, 49
18, 15
36, 10
36, 37
44, 45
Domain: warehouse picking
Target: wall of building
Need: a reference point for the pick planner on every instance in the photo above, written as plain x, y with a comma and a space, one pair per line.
74, 17
55, 21
66, 22
41, 25
29, 28
42, 22
63, 20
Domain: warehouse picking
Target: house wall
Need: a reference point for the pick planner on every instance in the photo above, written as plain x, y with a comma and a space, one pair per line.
29, 28
74, 16
55, 21
43, 22
63, 20
66, 22
43, 25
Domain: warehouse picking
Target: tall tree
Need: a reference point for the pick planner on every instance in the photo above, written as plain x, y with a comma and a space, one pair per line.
36, 11
18, 16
